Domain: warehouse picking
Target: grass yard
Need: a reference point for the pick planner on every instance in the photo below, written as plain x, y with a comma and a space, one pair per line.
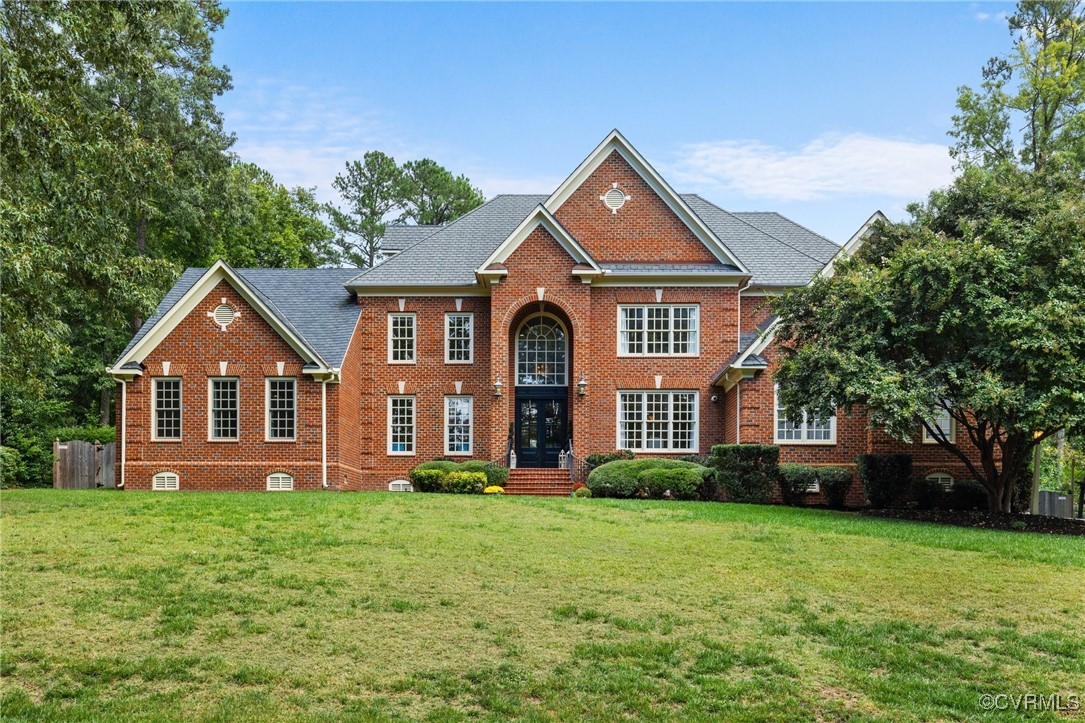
321, 606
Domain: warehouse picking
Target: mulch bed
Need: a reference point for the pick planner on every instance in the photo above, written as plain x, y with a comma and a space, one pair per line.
986, 520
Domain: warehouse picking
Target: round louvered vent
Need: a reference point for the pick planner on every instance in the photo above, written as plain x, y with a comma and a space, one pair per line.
224, 315
614, 199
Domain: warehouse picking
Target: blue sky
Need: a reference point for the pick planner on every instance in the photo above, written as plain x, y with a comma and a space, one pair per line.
821, 111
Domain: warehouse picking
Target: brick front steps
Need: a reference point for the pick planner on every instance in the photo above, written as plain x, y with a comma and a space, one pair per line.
538, 482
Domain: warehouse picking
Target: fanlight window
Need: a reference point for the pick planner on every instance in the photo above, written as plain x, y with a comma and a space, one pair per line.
541, 353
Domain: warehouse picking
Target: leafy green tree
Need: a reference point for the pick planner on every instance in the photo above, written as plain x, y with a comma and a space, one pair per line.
372, 188
1030, 108
976, 306
431, 195
266, 225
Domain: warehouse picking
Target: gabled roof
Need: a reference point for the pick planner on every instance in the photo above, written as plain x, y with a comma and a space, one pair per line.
399, 237
615, 142
309, 307
855, 242
540, 217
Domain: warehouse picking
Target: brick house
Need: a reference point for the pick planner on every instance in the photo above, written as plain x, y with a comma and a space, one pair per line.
533, 331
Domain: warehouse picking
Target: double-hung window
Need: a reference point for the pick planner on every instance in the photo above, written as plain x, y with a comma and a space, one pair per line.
223, 403
166, 405
459, 338
282, 408
943, 424
808, 430
657, 421
659, 330
459, 424
401, 425
402, 335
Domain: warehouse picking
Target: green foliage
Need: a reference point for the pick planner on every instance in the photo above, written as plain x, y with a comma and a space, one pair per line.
427, 480
582, 492
1039, 88
746, 472
444, 465
928, 494
884, 476
496, 475
835, 483
431, 195
795, 480
598, 460
11, 467
627, 478
977, 302
966, 495
464, 483
87, 433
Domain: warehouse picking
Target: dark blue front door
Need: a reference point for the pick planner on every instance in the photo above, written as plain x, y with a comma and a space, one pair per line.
541, 430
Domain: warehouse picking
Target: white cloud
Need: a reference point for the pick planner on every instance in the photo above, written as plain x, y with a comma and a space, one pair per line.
830, 166
983, 16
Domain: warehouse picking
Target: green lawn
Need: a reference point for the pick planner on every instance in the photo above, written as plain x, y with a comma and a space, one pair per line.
373, 606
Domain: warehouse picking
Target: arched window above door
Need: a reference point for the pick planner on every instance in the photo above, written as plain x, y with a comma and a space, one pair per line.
542, 352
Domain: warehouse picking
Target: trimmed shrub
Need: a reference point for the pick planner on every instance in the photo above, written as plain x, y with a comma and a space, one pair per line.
885, 476
496, 475
598, 460
443, 465
582, 492
928, 494
747, 472
966, 495
465, 483
625, 478
428, 480
709, 491
88, 433
795, 480
835, 483
683, 483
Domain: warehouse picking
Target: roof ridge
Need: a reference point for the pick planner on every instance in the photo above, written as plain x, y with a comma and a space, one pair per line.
790, 220
771, 236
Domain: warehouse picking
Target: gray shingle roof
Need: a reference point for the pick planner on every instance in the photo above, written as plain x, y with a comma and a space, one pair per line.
311, 302
777, 251
450, 256
399, 236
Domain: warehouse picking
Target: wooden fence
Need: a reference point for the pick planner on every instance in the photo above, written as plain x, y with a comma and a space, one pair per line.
83, 465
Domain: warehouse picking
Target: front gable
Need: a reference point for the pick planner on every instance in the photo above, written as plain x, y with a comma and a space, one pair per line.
539, 223
622, 210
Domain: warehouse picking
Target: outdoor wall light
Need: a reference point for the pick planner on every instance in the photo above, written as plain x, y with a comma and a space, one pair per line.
582, 385
498, 386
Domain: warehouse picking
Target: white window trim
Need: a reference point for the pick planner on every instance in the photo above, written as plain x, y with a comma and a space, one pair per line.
516, 358
471, 431
154, 409
174, 475
670, 332
414, 426
940, 478
470, 339
267, 409
279, 489
803, 427
210, 409
414, 336
695, 449
928, 438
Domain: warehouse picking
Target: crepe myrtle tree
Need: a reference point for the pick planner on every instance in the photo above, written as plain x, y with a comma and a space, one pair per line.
975, 307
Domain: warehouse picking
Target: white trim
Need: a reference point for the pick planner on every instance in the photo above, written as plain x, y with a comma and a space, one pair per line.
516, 358
696, 434
471, 425
323, 433
414, 426
154, 409
637, 279
211, 412
428, 290
414, 336
267, 409
670, 331
615, 141
470, 340
124, 428
854, 243
541, 216
941, 478
165, 478
177, 313
280, 478
803, 427
951, 437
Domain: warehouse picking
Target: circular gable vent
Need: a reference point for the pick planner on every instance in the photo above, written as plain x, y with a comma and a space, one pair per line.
614, 199
224, 315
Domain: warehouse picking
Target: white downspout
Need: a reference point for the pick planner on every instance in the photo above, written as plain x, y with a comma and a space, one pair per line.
124, 428
324, 433
738, 384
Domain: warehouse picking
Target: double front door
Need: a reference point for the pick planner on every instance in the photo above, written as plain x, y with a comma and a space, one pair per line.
542, 427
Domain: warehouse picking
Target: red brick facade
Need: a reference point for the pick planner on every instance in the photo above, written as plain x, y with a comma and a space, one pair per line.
342, 437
